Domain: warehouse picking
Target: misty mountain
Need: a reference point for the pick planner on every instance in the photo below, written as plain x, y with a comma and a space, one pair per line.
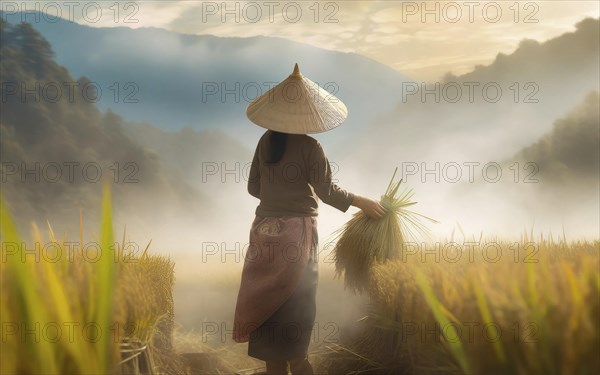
551, 184
488, 114
55, 153
388, 125
570, 154
190, 80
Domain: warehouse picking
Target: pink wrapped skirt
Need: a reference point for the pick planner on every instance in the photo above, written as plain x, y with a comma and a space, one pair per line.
276, 304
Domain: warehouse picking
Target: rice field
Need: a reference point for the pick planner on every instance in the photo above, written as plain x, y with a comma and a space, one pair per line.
477, 306
526, 307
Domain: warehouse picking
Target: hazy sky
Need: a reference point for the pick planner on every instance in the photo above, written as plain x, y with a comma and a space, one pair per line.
421, 39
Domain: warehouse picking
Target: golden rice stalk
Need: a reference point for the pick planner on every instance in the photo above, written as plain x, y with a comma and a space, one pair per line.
364, 241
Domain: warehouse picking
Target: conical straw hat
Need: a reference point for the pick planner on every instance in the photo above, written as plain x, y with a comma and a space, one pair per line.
297, 105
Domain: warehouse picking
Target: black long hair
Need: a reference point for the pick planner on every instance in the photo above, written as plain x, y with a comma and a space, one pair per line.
276, 146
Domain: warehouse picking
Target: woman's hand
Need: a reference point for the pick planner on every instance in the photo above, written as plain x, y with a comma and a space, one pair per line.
369, 206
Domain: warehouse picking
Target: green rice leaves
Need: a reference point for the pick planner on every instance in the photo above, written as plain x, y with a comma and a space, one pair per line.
71, 314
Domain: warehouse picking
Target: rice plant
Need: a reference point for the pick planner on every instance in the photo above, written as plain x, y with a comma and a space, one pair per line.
532, 311
56, 315
66, 310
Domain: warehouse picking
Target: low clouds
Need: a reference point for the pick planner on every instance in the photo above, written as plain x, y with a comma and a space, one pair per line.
391, 32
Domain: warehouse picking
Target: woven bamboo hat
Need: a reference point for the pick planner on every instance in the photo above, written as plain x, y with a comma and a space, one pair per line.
297, 105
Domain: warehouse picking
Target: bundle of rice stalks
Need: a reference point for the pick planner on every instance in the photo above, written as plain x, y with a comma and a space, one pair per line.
364, 241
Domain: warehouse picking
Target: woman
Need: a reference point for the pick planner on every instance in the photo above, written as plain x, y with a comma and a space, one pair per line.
275, 310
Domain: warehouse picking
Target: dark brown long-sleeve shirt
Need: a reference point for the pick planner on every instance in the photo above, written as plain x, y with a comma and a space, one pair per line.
291, 186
